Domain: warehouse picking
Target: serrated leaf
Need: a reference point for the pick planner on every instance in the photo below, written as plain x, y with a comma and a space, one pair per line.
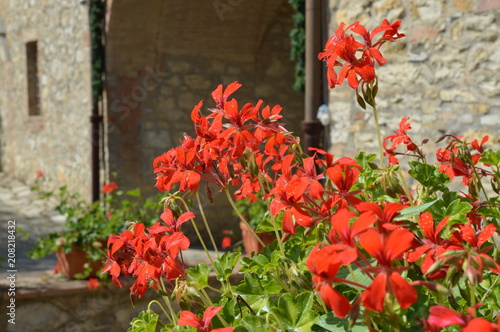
145, 322
295, 313
414, 210
199, 275
225, 265
458, 209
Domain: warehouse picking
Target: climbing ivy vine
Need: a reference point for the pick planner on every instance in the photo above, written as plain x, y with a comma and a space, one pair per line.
97, 12
297, 40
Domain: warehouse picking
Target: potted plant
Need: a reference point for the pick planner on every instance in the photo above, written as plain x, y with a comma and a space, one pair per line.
80, 247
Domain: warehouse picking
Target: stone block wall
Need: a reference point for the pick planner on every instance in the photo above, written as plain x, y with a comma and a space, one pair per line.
57, 141
444, 75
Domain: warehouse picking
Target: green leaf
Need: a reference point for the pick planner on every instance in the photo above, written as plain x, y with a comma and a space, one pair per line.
225, 265
251, 323
490, 157
250, 286
429, 176
145, 322
199, 275
134, 192
414, 210
328, 323
458, 209
296, 313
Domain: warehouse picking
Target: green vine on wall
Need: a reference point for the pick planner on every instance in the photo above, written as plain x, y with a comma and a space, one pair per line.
97, 12
298, 44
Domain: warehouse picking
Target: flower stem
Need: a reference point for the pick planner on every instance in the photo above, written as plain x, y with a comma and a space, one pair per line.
238, 213
198, 200
167, 302
162, 309
379, 136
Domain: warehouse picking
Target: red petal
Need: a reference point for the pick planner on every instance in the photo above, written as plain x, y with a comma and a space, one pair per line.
480, 324
352, 79
335, 301
397, 243
187, 318
441, 316
371, 241
426, 223
485, 234
210, 312
405, 294
373, 297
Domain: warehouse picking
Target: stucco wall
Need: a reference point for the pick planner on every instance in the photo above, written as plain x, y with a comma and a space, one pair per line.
57, 141
444, 75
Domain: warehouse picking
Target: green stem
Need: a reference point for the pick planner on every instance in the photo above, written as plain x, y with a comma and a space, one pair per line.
167, 302
379, 136
197, 231
198, 200
238, 213
278, 237
472, 290
489, 289
162, 309
406, 188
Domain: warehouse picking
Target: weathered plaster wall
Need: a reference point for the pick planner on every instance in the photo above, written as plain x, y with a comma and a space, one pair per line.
57, 141
444, 75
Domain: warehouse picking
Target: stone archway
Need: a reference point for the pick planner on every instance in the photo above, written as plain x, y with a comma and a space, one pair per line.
164, 56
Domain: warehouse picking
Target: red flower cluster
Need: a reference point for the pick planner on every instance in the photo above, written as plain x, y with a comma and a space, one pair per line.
342, 49
398, 138
454, 162
108, 188
146, 255
223, 137
386, 242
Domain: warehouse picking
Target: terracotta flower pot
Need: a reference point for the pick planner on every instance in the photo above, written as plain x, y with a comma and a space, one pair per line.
250, 242
73, 263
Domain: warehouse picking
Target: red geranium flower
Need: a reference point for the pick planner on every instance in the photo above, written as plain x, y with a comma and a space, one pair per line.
108, 188
388, 280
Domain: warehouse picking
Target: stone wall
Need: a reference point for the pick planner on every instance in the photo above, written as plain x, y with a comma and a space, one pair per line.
57, 141
444, 74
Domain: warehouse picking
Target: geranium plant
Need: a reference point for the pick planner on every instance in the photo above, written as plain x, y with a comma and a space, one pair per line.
359, 244
88, 226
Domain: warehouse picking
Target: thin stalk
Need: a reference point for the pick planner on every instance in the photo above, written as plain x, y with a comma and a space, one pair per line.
379, 137
167, 302
162, 309
278, 237
472, 297
197, 231
489, 289
351, 271
406, 188
238, 213
198, 200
